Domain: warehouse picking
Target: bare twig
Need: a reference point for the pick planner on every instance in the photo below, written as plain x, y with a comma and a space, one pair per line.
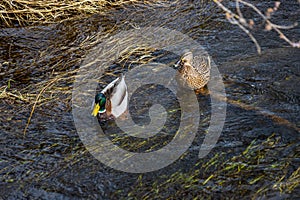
238, 19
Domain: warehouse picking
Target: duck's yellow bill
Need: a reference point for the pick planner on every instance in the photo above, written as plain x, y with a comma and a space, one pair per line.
96, 110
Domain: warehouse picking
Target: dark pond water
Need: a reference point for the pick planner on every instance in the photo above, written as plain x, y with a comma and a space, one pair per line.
256, 156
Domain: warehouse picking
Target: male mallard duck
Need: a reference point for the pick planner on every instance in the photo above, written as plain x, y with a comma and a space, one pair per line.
113, 99
194, 72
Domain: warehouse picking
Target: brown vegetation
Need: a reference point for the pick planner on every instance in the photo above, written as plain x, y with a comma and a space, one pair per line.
28, 12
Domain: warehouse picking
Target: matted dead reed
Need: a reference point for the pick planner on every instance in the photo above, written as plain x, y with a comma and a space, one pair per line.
28, 12
57, 87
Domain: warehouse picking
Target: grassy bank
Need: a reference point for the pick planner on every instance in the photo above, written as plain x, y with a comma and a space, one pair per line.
28, 12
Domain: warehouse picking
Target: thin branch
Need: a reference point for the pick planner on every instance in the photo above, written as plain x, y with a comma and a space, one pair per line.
251, 37
231, 18
274, 26
238, 10
238, 19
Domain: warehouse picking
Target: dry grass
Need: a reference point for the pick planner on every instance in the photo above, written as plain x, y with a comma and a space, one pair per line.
55, 78
28, 12
54, 84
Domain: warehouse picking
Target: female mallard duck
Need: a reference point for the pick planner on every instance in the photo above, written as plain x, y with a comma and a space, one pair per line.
195, 72
113, 99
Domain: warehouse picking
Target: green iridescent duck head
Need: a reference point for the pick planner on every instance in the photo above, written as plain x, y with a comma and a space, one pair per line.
100, 102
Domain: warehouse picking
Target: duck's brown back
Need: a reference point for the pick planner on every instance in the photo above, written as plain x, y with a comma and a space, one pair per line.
197, 73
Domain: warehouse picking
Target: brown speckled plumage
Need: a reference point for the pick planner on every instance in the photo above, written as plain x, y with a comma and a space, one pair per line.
194, 71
